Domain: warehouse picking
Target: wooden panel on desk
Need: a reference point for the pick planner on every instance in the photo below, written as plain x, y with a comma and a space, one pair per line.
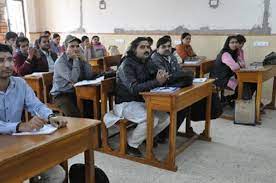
110, 61
39, 153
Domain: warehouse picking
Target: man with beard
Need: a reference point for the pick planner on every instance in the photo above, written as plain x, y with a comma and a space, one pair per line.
28, 60
164, 59
16, 96
69, 69
46, 54
133, 77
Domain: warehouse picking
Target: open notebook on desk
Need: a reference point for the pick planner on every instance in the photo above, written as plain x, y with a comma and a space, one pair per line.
45, 130
165, 89
89, 82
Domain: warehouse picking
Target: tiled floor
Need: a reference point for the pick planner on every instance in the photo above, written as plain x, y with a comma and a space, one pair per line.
237, 154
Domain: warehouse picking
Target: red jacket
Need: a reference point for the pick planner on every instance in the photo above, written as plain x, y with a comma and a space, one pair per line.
22, 68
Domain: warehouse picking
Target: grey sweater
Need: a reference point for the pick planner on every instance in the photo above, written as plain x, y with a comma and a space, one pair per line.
67, 72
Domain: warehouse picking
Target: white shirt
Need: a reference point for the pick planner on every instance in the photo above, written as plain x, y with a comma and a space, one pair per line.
50, 60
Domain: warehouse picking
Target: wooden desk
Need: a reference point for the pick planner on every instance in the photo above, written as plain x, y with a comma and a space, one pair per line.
201, 68
22, 157
92, 93
258, 76
35, 82
172, 103
96, 64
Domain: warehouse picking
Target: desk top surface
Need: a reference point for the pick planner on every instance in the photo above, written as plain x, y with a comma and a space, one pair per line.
13, 146
197, 63
261, 69
179, 92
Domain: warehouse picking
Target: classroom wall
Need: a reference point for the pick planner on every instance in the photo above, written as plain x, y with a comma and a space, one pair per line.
153, 16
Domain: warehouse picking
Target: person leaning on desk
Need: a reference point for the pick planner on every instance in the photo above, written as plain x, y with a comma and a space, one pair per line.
15, 96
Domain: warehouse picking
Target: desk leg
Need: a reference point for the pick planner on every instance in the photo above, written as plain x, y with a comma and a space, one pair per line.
271, 105
201, 74
80, 105
240, 89
149, 153
172, 141
206, 133
258, 99
96, 107
89, 166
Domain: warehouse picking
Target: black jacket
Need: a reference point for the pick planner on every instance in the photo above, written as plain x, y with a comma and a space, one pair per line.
43, 56
133, 77
221, 72
160, 62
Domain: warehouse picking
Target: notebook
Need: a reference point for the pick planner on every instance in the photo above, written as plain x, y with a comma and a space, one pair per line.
89, 82
165, 89
199, 80
47, 129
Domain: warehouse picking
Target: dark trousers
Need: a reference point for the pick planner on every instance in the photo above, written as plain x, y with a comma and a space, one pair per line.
181, 115
67, 102
248, 91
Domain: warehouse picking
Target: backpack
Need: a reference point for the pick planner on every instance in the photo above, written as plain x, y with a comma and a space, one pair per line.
270, 59
77, 174
181, 79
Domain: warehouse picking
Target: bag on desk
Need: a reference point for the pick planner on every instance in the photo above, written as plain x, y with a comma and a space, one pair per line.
198, 109
270, 59
181, 79
245, 112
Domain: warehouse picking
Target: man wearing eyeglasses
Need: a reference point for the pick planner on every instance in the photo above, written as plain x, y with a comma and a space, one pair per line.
15, 96
70, 68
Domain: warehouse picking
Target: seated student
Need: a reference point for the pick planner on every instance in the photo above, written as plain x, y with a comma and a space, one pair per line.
54, 44
163, 59
133, 77
86, 48
10, 40
241, 41
45, 52
16, 95
69, 69
174, 52
98, 49
226, 64
28, 60
185, 50
45, 33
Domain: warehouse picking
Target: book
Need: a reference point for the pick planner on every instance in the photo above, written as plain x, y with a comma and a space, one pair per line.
165, 89
89, 82
45, 130
199, 80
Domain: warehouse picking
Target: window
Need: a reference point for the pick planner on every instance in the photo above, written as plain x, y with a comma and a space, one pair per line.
16, 16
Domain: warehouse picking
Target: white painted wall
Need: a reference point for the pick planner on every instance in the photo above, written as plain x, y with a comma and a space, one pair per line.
63, 15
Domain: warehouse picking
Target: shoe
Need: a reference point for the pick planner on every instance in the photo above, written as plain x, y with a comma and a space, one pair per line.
134, 151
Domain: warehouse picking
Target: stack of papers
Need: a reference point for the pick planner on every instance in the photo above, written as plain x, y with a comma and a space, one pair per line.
47, 129
191, 61
165, 89
36, 74
199, 80
89, 82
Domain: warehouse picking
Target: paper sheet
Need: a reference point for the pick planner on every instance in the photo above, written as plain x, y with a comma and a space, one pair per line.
47, 129
89, 82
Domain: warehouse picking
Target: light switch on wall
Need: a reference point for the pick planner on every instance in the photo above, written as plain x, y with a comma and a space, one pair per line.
261, 44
